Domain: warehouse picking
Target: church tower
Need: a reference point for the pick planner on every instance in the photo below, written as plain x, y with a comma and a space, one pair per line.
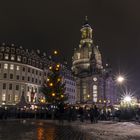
87, 66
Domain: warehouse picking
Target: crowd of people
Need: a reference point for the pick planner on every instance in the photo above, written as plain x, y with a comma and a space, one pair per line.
69, 113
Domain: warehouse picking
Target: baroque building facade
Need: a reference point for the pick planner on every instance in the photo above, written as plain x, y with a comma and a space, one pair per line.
22, 72
94, 82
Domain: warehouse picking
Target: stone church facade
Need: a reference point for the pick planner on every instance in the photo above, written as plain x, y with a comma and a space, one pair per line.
94, 81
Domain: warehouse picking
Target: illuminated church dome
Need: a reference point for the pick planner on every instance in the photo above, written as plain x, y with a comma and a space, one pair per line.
87, 56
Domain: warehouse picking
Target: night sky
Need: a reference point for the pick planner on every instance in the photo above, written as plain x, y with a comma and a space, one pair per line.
55, 24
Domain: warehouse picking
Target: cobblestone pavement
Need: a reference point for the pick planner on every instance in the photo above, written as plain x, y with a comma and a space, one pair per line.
38, 130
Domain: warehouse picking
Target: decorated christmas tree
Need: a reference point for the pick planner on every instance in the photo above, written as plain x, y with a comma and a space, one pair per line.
53, 87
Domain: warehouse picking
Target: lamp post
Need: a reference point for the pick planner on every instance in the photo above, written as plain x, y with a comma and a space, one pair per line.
120, 79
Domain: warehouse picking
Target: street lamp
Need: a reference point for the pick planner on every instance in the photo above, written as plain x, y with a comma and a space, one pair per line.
120, 79
127, 98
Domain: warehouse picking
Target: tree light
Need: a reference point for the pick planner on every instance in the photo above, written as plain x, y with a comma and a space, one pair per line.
62, 96
58, 79
88, 95
50, 67
53, 94
57, 65
51, 84
55, 52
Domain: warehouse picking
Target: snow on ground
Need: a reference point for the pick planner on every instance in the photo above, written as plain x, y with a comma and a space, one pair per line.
108, 130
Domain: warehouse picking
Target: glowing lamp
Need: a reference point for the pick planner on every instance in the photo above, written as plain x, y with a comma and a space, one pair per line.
48, 79
50, 67
62, 96
58, 79
51, 84
53, 94
127, 98
57, 65
55, 52
120, 79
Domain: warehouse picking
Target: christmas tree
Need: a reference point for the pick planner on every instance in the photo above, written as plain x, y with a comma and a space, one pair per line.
53, 87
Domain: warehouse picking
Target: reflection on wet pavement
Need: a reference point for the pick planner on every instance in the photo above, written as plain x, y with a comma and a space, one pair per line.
36, 130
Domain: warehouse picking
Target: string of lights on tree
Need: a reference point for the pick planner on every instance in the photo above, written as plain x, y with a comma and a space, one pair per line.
54, 87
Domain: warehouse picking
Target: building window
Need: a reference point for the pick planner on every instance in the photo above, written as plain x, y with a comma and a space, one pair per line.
40, 73
32, 70
4, 85
6, 56
95, 93
12, 50
0, 66
94, 87
35, 80
36, 72
33, 63
11, 76
10, 86
19, 58
17, 87
12, 57
3, 97
28, 69
5, 66
18, 67
17, 77
1, 56
16, 98
24, 60
5, 75
23, 69
28, 88
11, 67
32, 79
29, 61
28, 78
9, 97
23, 78
78, 55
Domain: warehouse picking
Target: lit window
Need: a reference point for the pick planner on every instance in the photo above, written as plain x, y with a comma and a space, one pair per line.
5, 66
95, 99
3, 97
95, 91
12, 57
6, 56
18, 67
16, 97
11, 67
94, 87
9, 97
78, 55
18, 58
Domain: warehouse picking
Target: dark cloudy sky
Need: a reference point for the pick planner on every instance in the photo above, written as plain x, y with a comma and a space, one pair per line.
55, 24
